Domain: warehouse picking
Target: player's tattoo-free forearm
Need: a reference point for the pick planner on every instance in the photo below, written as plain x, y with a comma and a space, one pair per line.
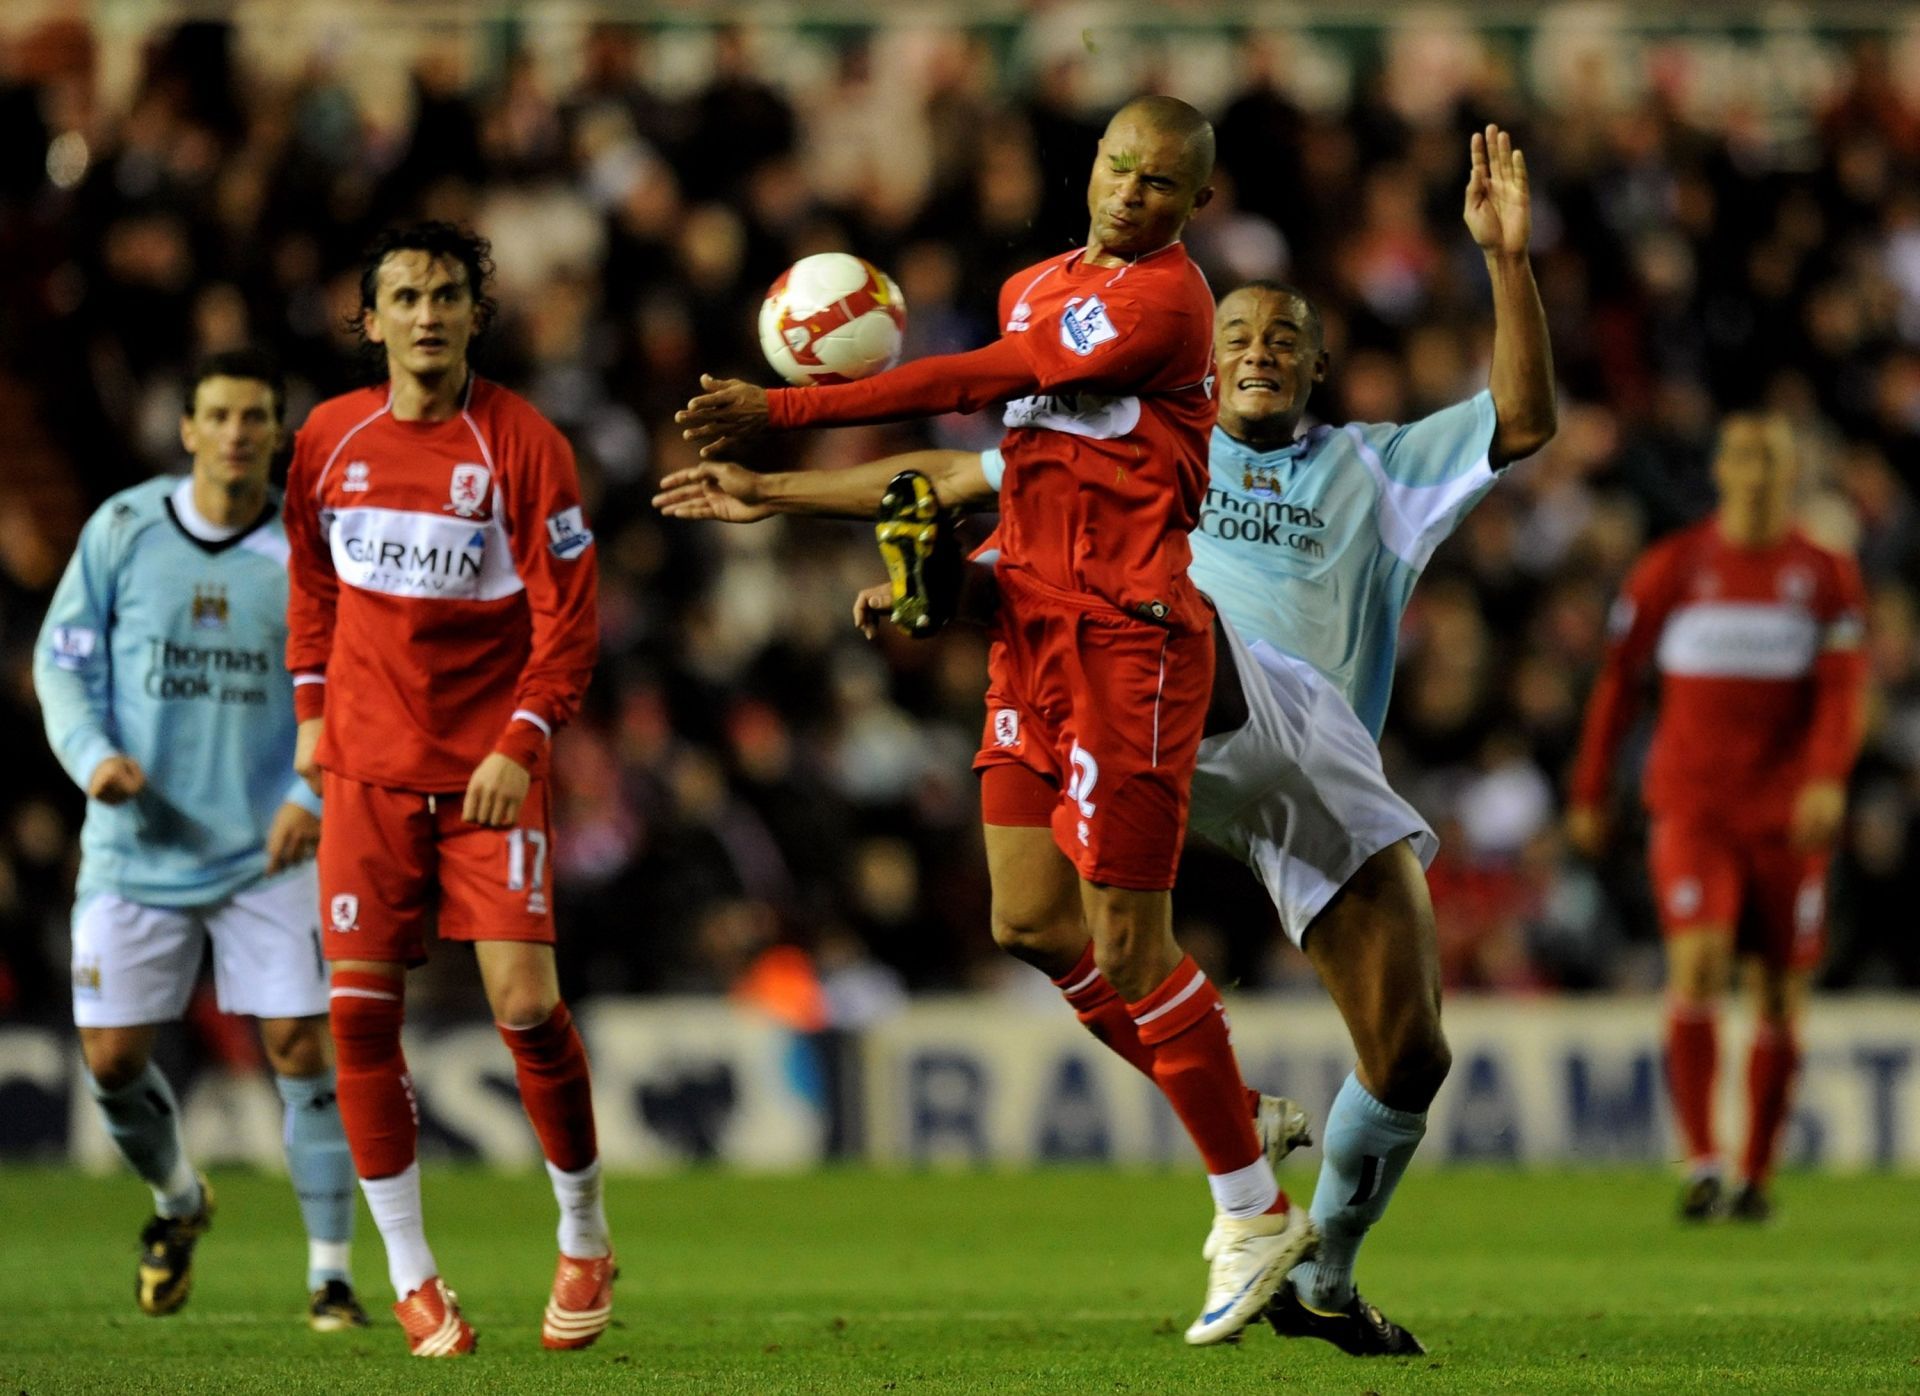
1521, 379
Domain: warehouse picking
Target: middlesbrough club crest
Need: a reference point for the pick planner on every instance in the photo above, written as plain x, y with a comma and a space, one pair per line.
469, 490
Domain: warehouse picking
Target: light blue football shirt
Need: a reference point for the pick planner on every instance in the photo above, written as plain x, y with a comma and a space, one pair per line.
1315, 547
172, 650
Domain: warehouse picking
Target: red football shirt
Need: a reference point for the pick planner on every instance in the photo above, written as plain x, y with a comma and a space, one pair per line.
1109, 376
1107, 462
1761, 677
442, 586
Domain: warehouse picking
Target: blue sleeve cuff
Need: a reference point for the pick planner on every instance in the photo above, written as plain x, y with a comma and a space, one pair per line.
85, 752
299, 793
994, 466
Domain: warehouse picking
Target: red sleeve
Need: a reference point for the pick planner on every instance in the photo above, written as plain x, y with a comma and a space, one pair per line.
554, 555
924, 388
1130, 345
1634, 630
1839, 678
312, 588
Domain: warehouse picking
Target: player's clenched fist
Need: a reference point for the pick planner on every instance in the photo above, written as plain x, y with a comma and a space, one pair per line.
1817, 812
496, 792
116, 780
1586, 829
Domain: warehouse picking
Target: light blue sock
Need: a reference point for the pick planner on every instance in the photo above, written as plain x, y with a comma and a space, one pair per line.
1364, 1152
322, 1171
143, 1120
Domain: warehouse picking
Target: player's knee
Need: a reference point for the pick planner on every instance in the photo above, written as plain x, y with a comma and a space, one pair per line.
1697, 982
1037, 940
524, 1005
295, 1046
364, 1014
114, 1065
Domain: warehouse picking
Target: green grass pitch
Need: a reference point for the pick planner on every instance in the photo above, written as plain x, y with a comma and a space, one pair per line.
1068, 1281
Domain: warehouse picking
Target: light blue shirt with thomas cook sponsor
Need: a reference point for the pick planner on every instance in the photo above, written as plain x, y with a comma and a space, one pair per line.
170, 648
1315, 547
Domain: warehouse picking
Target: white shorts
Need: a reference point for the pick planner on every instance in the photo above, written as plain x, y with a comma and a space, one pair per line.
1298, 794
135, 964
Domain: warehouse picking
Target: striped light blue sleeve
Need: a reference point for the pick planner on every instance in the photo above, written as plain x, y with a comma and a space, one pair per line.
1430, 473
72, 660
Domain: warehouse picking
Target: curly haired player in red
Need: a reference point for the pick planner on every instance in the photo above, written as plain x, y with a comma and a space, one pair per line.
1755, 632
1102, 656
441, 627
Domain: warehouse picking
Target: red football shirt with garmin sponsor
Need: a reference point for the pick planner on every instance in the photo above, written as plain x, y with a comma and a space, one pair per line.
442, 586
1761, 673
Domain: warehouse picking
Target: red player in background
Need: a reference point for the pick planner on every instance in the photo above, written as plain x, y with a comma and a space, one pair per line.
1755, 632
441, 628
1102, 656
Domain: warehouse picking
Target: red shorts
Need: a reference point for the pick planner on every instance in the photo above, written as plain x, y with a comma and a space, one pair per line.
1093, 724
395, 864
1771, 895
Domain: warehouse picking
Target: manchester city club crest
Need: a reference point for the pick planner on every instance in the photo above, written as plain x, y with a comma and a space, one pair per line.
469, 490
210, 608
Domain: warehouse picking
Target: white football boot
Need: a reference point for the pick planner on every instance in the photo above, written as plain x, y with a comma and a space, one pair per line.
1282, 1127
1252, 1262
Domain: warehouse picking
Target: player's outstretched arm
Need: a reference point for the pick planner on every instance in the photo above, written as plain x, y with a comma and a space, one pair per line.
733, 494
1499, 214
731, 412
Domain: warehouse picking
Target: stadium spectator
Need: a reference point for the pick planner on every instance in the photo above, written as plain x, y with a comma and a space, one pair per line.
1691, 243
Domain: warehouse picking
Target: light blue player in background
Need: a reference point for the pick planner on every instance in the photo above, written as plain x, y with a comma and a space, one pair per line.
1309, 547
162, 681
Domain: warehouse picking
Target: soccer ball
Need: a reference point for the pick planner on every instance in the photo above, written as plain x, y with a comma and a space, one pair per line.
831, 318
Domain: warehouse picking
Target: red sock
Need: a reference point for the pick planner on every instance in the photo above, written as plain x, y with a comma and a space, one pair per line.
550, 1063
370, 1074
1184, 1023
1770, 1069
1099, 1006
1693, 1060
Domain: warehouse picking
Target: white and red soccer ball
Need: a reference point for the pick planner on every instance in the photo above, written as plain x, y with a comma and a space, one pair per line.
831, 318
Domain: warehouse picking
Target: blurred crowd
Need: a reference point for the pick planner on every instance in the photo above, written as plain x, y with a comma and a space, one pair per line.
756, 799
